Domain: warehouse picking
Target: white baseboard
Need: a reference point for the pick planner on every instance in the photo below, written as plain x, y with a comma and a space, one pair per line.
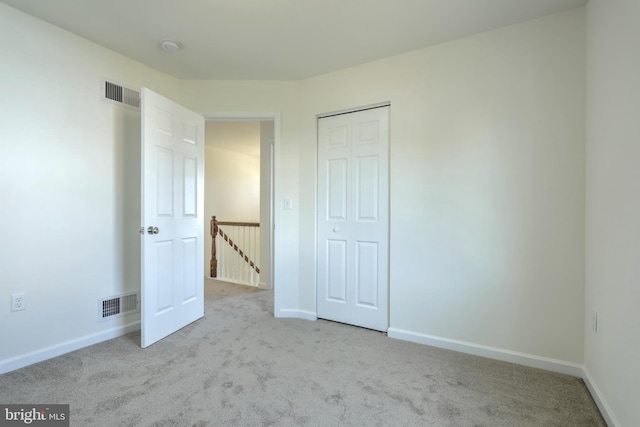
602, 404
530, 360
296, 314
66, 347
263, 285
524, 359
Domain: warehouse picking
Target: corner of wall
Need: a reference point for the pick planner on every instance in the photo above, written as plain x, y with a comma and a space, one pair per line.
599, 398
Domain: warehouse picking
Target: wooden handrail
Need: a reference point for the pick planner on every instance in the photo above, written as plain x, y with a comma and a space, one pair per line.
216, 230
237, 224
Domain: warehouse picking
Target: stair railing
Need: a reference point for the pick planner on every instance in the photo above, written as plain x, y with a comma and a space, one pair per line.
235, 251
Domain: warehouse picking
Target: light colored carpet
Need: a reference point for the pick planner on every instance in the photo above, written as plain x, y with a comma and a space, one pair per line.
241, 366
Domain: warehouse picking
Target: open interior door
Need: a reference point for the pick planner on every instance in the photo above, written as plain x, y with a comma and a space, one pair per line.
172, 217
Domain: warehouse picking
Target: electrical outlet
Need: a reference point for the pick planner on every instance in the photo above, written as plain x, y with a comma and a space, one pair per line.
594, 321
18, 301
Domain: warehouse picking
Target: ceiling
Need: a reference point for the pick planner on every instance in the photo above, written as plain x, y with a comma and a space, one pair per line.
277, 39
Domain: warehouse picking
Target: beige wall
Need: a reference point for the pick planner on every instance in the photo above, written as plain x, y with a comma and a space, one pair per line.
613, 206
232, 189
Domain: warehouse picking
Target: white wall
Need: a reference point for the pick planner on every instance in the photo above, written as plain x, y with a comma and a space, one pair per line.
613, 206
487, 185
69, 184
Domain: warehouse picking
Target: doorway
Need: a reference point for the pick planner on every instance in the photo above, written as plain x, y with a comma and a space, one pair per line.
239, 189
172, 191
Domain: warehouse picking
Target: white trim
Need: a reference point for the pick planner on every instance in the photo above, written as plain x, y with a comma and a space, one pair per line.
602, 404
296, 314
354, 110
231, 116
65, 347
530, 360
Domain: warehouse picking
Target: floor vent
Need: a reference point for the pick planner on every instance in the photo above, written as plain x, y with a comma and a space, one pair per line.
121, 95
118, 306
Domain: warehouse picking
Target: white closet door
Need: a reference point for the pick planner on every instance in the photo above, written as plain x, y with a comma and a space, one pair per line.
353, 218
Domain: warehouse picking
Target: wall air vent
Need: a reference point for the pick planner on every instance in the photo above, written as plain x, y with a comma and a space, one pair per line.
118, 306
121, 95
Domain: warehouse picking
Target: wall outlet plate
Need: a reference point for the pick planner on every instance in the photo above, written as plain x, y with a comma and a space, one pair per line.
288, 203
18, 301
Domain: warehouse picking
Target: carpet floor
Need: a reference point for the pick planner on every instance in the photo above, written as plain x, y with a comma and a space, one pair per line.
241, 366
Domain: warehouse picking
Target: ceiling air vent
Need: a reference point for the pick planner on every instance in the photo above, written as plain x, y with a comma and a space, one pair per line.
121, 95
118, 306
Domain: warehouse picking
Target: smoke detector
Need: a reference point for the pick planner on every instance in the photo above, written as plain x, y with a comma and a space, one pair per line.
169, 46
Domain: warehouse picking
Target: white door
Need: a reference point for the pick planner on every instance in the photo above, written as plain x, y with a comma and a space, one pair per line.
172, 214
353, 218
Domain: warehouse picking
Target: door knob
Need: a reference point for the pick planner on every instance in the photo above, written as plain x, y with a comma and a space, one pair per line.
153, 230
336, 229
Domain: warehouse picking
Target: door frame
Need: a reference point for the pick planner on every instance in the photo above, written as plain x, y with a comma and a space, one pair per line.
274, 240
315, 249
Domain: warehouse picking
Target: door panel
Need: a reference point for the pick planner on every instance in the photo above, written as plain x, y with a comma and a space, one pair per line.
164, 276
164, 182
337, 265
337, 189
367, 191
190, 190
369, 132
189, 259
353, 218
338, 136
172, 188
367, 274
